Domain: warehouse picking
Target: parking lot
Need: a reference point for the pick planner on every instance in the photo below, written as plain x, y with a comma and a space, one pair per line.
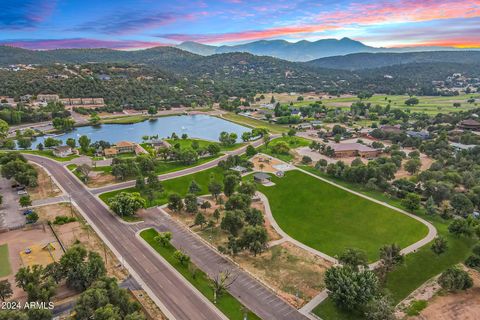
10, 214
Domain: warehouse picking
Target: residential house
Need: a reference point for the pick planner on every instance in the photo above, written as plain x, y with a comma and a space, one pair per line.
469, 124
110, 152
424, 135
62, 151
48, 97
344, 150
125, 147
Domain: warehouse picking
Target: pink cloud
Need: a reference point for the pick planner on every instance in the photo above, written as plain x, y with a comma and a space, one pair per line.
48, 44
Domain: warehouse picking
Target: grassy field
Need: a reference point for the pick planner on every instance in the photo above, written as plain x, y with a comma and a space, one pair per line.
179, 185
226, 303
331, 220
124, 119
428, 104
187, 143
419, 266
253, 123
293, 142
5, 265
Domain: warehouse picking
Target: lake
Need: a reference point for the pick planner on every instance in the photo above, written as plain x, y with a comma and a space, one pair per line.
196, 126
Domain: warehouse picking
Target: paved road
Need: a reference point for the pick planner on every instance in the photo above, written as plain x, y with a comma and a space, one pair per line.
258, 298
176, 174
10, 215
167, 286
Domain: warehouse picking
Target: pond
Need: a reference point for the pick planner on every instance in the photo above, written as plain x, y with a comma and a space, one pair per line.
195, 126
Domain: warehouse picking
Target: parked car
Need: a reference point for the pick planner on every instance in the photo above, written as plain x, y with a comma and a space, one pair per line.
22, 192
26, 212
20, 187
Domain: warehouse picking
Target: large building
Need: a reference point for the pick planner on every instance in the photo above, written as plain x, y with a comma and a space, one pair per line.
48, 97
83, 102
346, 150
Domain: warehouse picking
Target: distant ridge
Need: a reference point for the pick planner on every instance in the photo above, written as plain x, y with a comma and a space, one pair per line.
301, 51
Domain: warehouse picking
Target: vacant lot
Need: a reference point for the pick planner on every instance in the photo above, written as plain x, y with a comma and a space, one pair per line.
330, 219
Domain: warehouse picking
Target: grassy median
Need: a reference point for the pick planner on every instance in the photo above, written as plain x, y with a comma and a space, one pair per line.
226, 303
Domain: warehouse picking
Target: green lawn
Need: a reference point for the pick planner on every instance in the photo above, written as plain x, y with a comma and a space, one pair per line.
226, 303
179, 185
293, 142
49, 154
419, 266
124, 119
5, 269
253, 123
331, 220
187, 143
428, 104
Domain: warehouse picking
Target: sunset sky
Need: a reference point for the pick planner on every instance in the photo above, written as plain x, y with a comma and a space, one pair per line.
123, 24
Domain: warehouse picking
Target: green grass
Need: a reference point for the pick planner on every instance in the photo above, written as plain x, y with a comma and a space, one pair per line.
226, 303
49, 154
253, 123
5, 269
293, 142
327, 310
415, 308
419, 266
187, 143
331, 220
125, 119
179, 185
428, 104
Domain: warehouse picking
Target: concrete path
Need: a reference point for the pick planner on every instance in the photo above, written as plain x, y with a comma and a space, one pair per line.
253, 294
47, 201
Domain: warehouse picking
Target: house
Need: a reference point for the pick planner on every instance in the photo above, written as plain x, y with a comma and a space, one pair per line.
469, 124
239, 169
461, 146
62, 151
304, 126
424, 135
110, 152
48, 97
160, 143
261, 177
296, 113
125, 147
391, 129
353, 150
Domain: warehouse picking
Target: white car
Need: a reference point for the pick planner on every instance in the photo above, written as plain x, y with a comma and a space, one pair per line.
22, 192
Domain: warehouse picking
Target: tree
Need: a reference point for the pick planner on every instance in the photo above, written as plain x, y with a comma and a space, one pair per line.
71, 143
254, 217
24, 143
250, 151
213, 149
3, 129
63, 124
227, 139
84, 169
411, 101
84, 143
40, 146
353, 258
5, 289
175, 202
94, 119
205, 205
247, 188
39, 314
380, 308
460, 227
52, 142
221, 282
25, 201
194, 187
164, 238
230, 182
246, 136
266, 139
413, 165
215, 188
411, 201
461, 204
152, 110
200, 220
430, 207
181, 257
232, 222
153, 182
37, 286
350, 289
216, 214
32, 217
127, 203
191, 204
454, 279
13, 315
254, 238
439, 245
390, 256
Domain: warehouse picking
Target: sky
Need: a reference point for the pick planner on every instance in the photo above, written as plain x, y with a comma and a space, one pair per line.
130, 24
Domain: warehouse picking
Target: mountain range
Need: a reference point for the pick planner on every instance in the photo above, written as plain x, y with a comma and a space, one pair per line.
302, 50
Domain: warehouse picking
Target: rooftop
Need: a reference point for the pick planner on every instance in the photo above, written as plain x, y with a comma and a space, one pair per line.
261, 176
350, 147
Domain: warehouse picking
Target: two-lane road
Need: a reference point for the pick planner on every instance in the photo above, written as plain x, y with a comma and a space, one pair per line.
178, 298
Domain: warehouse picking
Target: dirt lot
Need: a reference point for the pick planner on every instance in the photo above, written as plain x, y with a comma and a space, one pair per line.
294, 273
424, 159
100, 179
46, 187
454, 306
289, 270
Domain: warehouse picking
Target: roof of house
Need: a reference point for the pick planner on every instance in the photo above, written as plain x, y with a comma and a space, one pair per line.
462, 146
239, 169
350, 147
261, 176
110, 151
62, 148
125, 144
470, 122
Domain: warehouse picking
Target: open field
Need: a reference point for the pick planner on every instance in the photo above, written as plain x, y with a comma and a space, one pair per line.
187, 143
419, 266
5, 269
293, 142
331, 220
253, 123
125, 119
46, 187
428, 104
179, 185
226, 303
